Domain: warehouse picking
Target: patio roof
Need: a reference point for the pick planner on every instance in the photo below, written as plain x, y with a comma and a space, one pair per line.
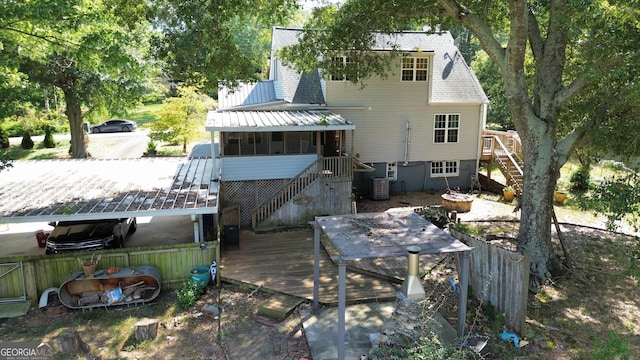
385, 234
379, 235
55, 190
266, 121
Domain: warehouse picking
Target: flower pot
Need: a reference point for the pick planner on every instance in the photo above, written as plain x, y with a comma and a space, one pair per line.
559, 197
89, 269
509, 195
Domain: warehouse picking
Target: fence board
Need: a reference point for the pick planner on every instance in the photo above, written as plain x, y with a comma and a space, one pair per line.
45, 271
500, 277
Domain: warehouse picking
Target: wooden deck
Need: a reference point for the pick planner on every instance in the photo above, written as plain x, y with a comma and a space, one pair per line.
283, 263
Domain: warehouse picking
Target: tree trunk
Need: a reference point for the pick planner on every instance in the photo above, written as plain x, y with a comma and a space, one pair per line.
540, 176
74, 114
70, 343
145, 329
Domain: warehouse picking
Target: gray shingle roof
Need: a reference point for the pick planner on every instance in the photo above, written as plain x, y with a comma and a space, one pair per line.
453, 80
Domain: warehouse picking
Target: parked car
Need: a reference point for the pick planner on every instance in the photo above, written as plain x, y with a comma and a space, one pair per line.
115, 125
89, 235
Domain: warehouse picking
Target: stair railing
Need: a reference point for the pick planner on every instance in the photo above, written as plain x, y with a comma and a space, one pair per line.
500, 152
322, 168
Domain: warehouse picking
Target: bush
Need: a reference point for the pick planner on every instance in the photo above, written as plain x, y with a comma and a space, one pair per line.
189, 294
4, 140
49, 142
580, 180
436, 215
27, 142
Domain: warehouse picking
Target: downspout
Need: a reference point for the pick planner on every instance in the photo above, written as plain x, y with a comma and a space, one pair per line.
482, 126
407, 142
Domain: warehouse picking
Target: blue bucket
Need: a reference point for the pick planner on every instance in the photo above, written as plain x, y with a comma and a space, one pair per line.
201, 275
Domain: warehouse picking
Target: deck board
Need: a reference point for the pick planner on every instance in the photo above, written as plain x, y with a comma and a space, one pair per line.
283, 262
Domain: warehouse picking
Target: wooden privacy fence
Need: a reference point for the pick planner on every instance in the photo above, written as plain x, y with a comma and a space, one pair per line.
500, 277
45, 271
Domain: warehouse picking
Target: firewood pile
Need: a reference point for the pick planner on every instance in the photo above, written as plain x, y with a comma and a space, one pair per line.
127, 294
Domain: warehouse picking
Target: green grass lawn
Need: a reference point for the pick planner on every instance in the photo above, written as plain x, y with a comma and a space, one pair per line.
145, 113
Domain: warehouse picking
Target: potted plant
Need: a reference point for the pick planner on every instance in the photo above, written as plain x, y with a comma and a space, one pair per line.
560, 196
89, 266
152, 148
508, 192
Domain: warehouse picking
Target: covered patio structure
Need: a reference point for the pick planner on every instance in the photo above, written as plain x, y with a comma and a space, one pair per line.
380, 235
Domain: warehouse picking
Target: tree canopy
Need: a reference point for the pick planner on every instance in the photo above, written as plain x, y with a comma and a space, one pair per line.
182, 118
206, 43
94, 52
555, 58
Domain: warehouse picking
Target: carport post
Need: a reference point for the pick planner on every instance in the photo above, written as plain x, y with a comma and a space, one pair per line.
196, 228
342, 299
316, 266
464, 284
200, 228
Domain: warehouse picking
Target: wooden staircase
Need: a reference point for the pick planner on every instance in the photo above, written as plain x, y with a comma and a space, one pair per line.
323, 168
505, 149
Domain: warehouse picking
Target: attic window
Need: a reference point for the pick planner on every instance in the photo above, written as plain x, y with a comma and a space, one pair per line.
415, 68
344, 69
446, 128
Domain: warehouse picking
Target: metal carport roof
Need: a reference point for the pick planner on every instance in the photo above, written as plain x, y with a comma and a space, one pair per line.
84, 189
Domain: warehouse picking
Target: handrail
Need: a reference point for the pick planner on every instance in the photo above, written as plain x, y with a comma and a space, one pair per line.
510, 139
511, 180
323, 167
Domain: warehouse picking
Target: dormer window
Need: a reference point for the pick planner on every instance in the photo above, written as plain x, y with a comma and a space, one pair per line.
415, 68
344, 69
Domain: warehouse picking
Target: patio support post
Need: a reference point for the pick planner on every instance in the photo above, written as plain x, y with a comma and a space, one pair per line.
342, 299
463, 269
316, 266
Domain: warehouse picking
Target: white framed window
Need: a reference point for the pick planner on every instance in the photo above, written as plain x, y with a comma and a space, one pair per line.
415, 69
346, 65
446, 128
445, 168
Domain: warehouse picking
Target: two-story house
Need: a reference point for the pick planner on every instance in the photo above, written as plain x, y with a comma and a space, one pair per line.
297, 145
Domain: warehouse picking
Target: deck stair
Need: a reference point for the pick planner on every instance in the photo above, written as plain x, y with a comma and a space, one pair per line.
279, 306
506, 151
322, 168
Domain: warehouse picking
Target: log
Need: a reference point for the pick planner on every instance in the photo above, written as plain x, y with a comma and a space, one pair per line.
145, 329
89, 298
70, 343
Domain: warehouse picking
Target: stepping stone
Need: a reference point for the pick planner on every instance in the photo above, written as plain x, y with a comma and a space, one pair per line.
279, 306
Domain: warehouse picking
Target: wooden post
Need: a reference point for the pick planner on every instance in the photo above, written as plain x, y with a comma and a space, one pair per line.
70, 343
145, 329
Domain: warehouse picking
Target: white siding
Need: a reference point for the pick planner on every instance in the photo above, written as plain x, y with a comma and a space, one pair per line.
264, 167
381, 124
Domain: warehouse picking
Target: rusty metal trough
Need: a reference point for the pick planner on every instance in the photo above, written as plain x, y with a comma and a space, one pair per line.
134, 285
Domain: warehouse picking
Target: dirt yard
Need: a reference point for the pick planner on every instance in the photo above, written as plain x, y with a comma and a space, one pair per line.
591, 312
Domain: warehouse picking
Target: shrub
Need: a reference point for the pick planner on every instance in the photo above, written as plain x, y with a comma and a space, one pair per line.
580, 180
189, 294
27, 142
4, 140
49, 142
435, 215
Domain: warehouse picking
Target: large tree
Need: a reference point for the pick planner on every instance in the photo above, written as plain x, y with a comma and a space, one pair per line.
93, 51
556, 52
204, 43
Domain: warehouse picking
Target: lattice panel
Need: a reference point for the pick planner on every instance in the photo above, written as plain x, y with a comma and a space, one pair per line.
248, 194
